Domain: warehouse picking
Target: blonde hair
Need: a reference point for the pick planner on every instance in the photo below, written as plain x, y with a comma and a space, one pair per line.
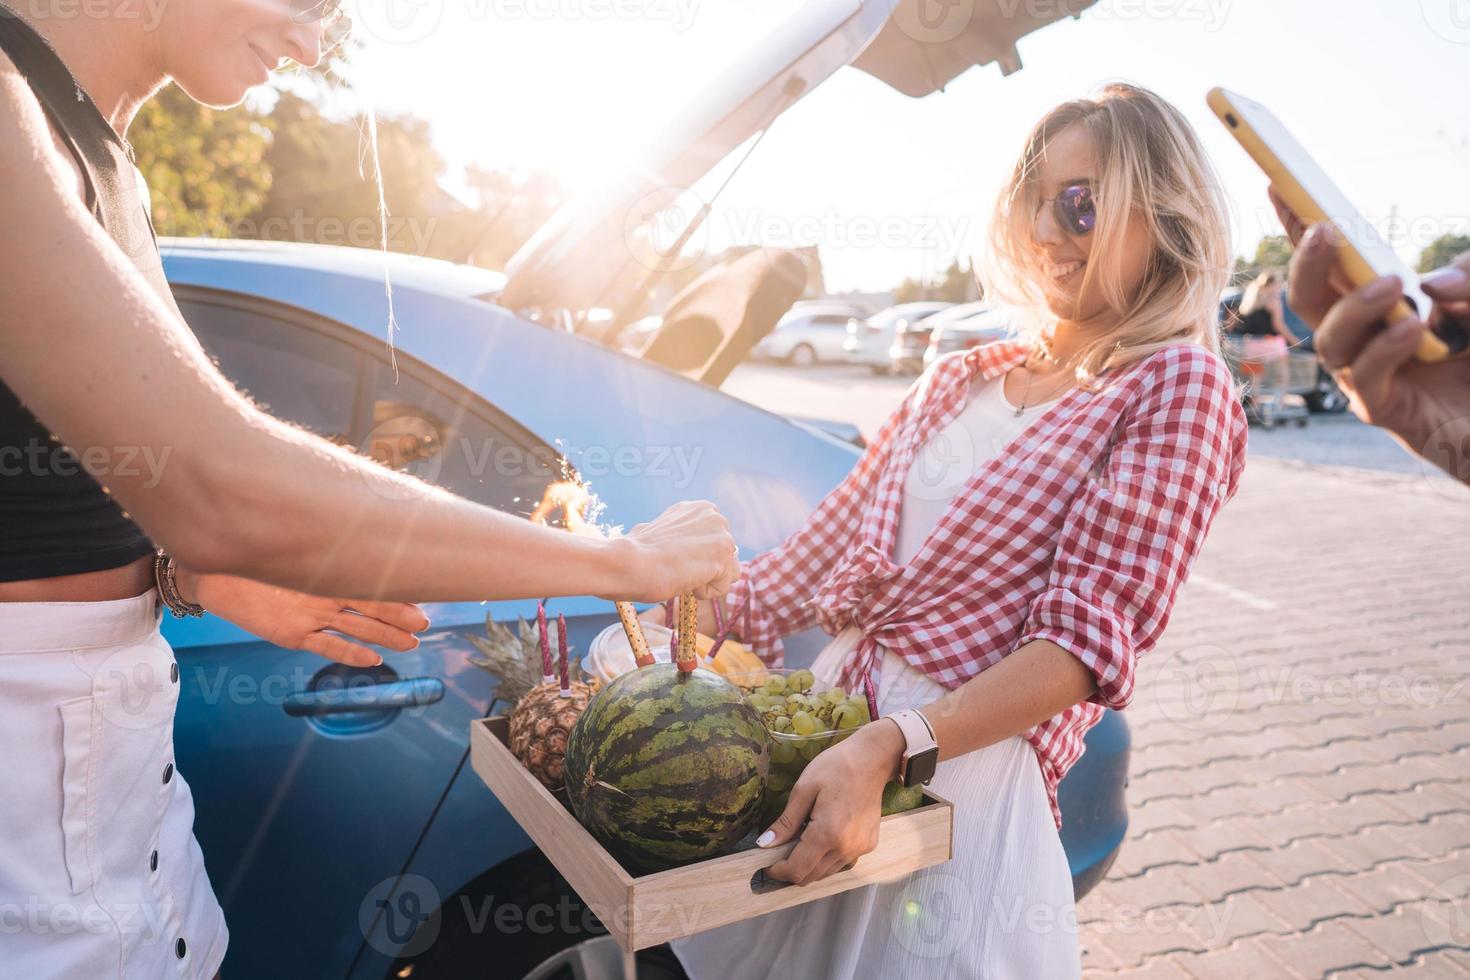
1253, 298
1152, 167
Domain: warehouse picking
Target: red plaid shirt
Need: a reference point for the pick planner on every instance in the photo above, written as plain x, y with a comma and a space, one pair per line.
1080, 532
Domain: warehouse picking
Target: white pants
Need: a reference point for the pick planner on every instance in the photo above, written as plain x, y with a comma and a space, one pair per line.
1000, 909
100, 875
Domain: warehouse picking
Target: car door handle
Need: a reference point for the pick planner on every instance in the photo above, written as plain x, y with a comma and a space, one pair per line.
387, 696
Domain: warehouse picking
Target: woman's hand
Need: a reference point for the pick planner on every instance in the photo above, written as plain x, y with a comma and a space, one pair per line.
840, 799
1426, 405
298, 621
687, 548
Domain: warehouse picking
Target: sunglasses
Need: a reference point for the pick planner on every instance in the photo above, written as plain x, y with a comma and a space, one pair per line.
335, 24
311, 11
1075, 209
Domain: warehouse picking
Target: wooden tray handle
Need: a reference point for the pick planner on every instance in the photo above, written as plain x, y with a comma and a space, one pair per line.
762, 883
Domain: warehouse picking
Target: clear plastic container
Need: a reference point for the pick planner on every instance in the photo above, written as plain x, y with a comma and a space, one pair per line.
791, 750
610, 655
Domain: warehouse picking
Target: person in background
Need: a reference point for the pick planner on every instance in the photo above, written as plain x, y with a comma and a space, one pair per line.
1425, 406
1263, 309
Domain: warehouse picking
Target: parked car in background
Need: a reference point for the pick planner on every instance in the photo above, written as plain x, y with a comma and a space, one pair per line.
812, 331
869, 340
1230, 308
964, 326
910, 341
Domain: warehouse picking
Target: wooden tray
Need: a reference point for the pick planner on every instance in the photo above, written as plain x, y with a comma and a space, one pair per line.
644, 911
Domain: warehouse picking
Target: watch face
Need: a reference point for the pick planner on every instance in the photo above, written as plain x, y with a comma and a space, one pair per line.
920, 768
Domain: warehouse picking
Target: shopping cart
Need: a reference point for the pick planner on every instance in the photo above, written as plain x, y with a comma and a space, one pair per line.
1274, 379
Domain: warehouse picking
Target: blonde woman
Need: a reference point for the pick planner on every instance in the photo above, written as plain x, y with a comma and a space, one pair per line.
1003, 554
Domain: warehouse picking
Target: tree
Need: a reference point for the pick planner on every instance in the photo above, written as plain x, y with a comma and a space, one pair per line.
205, 167
1442, 251
1272, 252
325, 188
295, 174
509, 208
957, 285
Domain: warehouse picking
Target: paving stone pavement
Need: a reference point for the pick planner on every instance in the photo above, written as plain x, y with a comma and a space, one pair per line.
1300, 789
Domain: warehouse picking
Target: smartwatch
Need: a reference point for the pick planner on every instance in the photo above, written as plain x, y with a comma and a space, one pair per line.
921, 751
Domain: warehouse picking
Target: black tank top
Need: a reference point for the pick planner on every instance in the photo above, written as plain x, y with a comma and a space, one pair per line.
1256, 323
54, 518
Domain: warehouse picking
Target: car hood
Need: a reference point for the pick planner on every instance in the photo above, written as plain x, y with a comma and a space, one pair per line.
602, 247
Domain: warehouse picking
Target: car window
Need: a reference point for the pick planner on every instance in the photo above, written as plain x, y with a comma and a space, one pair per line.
830, 320
326, 378
292, 372
450, 437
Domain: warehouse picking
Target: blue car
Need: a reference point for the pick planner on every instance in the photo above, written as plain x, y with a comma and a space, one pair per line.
343, 830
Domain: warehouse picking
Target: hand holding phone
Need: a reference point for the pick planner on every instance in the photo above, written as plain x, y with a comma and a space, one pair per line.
1306, 193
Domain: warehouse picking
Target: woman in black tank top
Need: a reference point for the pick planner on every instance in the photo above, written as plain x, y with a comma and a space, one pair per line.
94, 354
67, 101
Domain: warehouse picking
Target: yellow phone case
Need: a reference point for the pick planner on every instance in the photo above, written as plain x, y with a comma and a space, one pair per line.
1353, 265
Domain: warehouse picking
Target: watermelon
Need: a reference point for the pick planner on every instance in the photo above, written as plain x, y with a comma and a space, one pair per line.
667, 767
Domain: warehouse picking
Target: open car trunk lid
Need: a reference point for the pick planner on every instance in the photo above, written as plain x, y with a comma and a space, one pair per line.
601, 247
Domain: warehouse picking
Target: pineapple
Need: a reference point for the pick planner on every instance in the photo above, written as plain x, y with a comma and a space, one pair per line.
540, 718
539, 727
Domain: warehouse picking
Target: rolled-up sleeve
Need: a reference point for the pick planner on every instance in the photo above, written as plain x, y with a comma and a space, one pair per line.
1134, 528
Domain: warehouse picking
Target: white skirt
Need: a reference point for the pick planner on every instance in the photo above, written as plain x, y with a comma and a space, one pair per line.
100, 875
1000, 909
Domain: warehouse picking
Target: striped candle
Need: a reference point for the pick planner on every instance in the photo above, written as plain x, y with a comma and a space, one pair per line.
872, 695
561, 643
546, 675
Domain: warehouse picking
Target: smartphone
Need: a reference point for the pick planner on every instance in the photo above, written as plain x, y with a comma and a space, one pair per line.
1363, 254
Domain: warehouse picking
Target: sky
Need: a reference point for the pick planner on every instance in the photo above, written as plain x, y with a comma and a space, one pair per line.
892, 187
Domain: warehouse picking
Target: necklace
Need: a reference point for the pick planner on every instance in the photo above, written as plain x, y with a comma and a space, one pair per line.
1031, 380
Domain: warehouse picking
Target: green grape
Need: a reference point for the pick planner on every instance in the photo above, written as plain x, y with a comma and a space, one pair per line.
846, 717
803, 723
834, 696
783, 751
780, 782
810, 747
781, 723
800, 680
760, 701
898, 798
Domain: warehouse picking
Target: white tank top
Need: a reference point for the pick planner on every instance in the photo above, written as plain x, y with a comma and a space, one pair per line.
987, 424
